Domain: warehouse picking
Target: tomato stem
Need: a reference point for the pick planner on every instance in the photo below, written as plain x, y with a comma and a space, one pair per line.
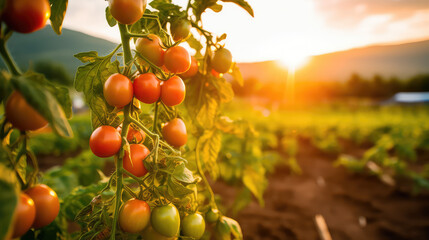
7, 58
155, 120
203, 176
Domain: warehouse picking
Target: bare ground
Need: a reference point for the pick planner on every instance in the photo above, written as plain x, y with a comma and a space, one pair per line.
355, 206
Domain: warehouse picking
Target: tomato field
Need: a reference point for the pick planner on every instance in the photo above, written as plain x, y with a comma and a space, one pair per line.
161, 149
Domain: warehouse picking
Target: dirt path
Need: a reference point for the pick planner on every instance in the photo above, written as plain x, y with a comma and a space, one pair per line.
354, 206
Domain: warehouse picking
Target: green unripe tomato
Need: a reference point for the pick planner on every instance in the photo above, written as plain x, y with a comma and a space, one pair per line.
180, 29
212, 215
222, 60
193, 226
150, 234
166, 220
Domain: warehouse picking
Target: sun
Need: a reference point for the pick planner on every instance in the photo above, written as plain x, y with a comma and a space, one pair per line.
294, 60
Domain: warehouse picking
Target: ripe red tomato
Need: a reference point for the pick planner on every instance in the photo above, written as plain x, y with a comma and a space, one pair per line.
133, 135
177, 59
147, 88
166, 220
105, 141
222, 60
118, 90
25, 213
180, 29
151, 49
173, 91
134, 216
193, 69
22, 115
26, 16
46, 202
193, 226
174, 132
127, 11
138, 153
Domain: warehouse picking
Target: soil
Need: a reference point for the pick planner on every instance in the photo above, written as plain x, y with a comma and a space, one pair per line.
355, 206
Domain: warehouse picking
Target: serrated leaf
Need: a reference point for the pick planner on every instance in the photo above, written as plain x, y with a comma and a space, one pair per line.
243, 4
256, 182
89, 79
207, 112
8, 199
58, 11
110, 19
211, 143
182, 174
241, 201
39, 93
176, 189
224, 89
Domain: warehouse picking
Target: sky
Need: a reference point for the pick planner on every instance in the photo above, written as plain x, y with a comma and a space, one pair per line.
288, 30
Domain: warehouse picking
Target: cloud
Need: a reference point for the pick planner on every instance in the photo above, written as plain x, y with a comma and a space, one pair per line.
349, 13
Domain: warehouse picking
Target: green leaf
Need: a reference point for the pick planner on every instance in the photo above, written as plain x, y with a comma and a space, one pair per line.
110, 19
216, 7
254, 179
43, 96
210, 148
243, 4
207, 112
176, 189
233, 226
182, 174
58, 11
90, 79
241, 201
224, 89
195, 44
8, 199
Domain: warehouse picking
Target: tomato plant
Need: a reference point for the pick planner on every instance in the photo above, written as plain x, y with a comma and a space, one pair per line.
177, 59
26, 16
127, 11
105, 141
193, 225
147, 88
46, 203
134, 216
173, 91
166, 220
133, 162
25, 214
134, 134
33, 102
174, 132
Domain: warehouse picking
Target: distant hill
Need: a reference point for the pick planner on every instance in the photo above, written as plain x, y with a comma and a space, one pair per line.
402, 61
46, 45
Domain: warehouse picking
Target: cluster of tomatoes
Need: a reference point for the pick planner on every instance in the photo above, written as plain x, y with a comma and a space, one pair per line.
162, 222
37, 207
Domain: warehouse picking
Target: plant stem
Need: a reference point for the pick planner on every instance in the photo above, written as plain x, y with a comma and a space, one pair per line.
203, 176
8, 59
155, 120
125, 125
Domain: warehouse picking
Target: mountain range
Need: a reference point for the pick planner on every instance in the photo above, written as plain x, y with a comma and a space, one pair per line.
400, 60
